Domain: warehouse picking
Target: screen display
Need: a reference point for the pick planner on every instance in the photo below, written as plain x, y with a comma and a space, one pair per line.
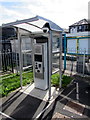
38, 58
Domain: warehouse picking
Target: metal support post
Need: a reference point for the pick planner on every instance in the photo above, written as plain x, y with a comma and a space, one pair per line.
60, 62
16, 56
17, 62
20, 57
65, 52
71, 63
50, 60
1, 49
32, 53
84, 62
11, 56
0, 61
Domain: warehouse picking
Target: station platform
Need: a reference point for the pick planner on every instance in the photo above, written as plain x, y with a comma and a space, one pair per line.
26, 103
40, 94
29, 102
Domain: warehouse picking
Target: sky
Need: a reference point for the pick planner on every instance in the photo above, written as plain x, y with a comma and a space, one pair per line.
63, 12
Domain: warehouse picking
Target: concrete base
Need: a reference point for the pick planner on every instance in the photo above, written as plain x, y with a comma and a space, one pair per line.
38, 93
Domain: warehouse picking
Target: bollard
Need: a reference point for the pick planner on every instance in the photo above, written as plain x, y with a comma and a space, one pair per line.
77, 91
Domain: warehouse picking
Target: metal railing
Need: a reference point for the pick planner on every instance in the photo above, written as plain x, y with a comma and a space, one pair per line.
78, 62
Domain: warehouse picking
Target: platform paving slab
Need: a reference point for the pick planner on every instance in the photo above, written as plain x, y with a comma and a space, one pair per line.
40, 94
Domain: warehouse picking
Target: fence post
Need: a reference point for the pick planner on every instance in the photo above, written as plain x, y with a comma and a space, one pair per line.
84, 62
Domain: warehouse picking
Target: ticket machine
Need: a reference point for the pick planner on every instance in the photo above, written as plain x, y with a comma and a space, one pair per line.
40, 65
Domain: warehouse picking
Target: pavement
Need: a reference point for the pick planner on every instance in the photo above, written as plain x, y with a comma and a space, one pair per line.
67, 104
20, 105
26, 103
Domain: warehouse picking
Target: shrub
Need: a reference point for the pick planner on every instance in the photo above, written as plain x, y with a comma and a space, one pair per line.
56, 78
13, 82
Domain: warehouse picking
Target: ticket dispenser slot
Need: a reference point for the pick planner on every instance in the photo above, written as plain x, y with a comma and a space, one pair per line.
40, 65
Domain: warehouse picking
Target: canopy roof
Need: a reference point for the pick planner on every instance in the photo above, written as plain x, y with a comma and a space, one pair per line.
34, 24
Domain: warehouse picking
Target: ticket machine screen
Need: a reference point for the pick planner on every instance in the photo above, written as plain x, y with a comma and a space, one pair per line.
38, 58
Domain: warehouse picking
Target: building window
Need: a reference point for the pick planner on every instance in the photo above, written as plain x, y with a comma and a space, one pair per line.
86, 27
72, 30
82, 28
79, 27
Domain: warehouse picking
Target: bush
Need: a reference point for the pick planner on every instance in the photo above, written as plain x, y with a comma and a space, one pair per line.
13, 82
56, 78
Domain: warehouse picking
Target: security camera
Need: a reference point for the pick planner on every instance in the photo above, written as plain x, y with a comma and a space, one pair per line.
45, 29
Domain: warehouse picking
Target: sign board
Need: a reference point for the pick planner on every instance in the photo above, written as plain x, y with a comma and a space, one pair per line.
78, 45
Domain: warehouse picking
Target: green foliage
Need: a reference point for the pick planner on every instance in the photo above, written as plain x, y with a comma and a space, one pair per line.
13, 82
5, 76
56, 78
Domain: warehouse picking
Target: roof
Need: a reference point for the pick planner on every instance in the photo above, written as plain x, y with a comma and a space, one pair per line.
34, 24
81, 22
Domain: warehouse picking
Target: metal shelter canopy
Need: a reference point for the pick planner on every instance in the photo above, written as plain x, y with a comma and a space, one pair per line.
34, 24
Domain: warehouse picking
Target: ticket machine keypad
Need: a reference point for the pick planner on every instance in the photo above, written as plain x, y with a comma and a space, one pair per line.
38, 67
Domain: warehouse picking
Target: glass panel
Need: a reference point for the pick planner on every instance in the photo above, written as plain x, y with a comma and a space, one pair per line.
55, 43
56, 51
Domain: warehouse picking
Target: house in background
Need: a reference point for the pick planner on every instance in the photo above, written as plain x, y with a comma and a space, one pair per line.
81, 26
78, 39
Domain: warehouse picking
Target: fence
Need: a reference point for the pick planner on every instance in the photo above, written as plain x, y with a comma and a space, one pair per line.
74, 63
9, 55
6, 56
78, 62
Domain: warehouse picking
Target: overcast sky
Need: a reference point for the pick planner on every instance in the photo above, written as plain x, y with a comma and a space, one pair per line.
62, 12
